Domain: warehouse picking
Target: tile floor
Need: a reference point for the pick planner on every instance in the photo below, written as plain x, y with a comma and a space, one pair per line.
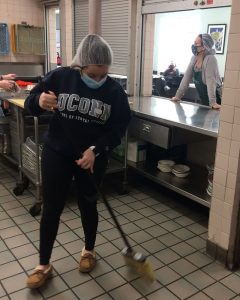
168, 228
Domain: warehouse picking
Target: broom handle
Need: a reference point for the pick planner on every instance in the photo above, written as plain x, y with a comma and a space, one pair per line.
109, 208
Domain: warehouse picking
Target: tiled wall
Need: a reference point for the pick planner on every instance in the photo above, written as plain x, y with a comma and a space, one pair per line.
15, 12
228, 144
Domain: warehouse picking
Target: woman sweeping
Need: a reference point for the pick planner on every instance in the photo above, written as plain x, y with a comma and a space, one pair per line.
91, 114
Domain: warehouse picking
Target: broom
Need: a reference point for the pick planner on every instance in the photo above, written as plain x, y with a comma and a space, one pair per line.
135, 260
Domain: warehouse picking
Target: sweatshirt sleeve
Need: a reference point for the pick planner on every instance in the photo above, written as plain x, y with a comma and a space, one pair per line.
116, 125
186, 80
31, 103
211, 75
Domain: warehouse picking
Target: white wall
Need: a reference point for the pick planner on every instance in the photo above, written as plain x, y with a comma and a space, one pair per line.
175, 33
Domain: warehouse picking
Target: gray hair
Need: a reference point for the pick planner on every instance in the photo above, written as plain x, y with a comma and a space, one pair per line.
93, 50
207, 41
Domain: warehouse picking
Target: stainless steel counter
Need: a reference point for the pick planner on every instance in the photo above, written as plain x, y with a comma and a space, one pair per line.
184, 115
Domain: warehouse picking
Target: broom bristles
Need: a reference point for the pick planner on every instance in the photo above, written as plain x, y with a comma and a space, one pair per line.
142, 268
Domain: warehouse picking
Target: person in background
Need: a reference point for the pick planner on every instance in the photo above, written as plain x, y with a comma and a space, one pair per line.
168, 76
58, 60
203, 70
171, 70
91, 114
7, 82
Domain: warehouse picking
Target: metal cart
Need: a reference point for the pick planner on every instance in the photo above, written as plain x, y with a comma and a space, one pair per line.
24, 174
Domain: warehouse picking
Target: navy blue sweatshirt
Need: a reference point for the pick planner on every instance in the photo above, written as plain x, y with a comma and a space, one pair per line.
85, 117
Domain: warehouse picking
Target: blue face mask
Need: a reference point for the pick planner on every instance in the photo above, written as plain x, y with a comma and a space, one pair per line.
194, 50
91, 83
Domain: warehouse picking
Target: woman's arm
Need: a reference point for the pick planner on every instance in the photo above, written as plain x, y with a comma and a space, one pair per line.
37, 102
211, 77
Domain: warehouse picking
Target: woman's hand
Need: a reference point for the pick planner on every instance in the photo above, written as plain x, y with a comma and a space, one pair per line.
9, 76
175, 99
216, 106
87, 161
48, 101
8, 85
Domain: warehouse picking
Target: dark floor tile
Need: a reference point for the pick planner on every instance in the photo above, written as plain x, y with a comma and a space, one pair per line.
197, 228
14, 283
67, 295
110, 281
16, 241
166, 275
183, 234
30, 262
182, 267
167, 256
169, 239
115, 260
219, 291
232, 282
102, 267
26, 294
197, 243
156, 231
216, 270
144, 223
66, 237
24, 251
88, 290
200, 279
184, 221
74, 247
162, 294
198, 259
74, 278
53, 286
182, 289
183, 249
170, 226
140, 237
65, 264
30, 226
6, 223
153, 246
10, 269
199, 296
125, 292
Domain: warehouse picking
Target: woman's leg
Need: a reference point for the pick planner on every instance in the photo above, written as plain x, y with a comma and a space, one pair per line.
56, 178
87, 199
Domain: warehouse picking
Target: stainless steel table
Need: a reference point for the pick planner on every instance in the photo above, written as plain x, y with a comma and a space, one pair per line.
189, 118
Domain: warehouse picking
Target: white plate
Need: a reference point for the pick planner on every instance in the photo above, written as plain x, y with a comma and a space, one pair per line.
166, 162
165, 169
180, 175
180, 169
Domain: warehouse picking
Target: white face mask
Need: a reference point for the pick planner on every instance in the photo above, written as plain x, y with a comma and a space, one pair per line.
91, 83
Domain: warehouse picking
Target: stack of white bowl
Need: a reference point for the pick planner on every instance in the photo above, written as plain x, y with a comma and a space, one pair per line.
181, 170
209, 189
165, 166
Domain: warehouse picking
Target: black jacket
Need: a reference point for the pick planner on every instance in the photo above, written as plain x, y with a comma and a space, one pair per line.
85, 117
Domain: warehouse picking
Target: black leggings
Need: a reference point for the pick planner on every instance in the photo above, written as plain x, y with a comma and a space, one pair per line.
57, 174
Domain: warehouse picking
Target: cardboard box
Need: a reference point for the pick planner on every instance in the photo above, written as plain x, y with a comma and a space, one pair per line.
136, 150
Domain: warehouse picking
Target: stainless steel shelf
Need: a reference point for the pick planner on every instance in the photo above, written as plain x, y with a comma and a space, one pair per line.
193, 187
